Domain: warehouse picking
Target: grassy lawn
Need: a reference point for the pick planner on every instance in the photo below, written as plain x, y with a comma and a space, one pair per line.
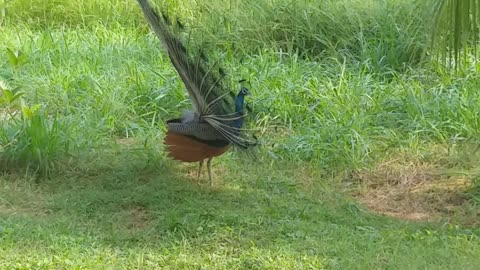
368, 158
125, 216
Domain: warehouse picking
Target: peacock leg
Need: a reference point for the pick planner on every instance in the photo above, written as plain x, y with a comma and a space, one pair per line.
209, 167
200, 165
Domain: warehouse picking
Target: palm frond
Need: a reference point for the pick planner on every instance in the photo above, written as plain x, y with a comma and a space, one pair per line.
456, 29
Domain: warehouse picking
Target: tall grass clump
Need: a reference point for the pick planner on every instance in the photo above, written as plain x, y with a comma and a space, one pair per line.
383, 34
336, 116
78, 93
29, 137
82, 13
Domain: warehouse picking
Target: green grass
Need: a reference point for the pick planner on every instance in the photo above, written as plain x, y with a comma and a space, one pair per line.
129, 217
85, 183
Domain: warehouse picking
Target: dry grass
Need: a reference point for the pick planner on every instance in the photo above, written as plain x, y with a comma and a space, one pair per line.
413, 191
20, 197
138, 218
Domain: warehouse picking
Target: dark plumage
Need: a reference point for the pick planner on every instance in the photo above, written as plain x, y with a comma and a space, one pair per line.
216, 121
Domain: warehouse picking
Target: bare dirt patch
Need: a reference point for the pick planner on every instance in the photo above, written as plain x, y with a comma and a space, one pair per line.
126, 142
20, 196
414, 191
137, 218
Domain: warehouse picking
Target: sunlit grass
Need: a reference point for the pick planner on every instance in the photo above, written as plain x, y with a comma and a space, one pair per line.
128, 216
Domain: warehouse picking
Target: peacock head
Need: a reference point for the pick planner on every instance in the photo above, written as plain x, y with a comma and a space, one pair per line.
243, 92
239, 103
240, 99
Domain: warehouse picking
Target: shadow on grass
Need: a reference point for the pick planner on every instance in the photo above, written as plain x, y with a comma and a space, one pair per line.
254, 215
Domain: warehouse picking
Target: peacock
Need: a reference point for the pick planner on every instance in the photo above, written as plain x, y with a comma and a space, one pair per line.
217, 117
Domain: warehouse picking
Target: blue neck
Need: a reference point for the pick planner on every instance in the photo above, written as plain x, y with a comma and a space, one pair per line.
239, 100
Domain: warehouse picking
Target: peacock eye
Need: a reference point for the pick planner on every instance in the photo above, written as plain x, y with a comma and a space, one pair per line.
244, 91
